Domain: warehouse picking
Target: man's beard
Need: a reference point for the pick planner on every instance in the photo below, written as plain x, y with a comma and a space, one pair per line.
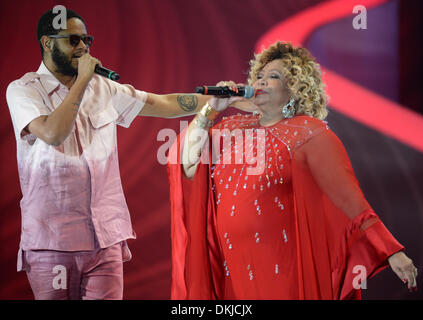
62, 62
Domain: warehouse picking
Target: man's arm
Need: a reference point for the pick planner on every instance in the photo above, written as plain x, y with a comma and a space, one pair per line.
54, 128
173, 105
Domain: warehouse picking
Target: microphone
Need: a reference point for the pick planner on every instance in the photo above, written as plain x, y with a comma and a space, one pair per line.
246, 92
106, 73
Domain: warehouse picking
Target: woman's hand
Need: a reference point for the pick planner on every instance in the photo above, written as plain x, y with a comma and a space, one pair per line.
404, 268
243, 104
220, 104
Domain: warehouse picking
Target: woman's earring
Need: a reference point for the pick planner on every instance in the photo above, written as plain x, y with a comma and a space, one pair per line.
288, 111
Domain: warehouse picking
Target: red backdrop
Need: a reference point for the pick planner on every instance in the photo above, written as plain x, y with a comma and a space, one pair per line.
169, 46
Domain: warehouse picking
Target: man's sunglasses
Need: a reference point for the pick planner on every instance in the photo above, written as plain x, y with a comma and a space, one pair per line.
75, 39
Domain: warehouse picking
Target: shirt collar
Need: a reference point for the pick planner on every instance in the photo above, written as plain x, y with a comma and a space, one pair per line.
48, 80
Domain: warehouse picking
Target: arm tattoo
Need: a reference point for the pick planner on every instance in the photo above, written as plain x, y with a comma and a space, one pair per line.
76, 106
187, 103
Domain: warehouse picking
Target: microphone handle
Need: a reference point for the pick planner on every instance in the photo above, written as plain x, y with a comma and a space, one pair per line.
106, 73
218, 91
246, 92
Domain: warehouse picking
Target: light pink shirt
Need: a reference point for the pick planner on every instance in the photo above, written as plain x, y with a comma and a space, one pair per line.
72, 194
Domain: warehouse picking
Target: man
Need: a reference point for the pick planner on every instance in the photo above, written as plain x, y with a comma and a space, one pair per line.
75, 221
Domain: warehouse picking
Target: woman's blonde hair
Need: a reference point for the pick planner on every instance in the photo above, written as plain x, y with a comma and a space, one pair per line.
302, 74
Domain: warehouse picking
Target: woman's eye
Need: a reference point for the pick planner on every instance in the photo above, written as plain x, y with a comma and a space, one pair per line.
275, 76
259, 76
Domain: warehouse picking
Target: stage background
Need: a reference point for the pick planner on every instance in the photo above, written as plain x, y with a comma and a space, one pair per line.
165, 46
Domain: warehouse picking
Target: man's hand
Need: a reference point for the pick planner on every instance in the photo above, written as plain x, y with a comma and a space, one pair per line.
86, 66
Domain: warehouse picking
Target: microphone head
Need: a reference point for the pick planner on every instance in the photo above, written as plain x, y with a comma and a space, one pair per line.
114, 76
249, 92
199, 90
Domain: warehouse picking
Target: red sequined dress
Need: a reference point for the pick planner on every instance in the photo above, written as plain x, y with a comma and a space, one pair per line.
272, 213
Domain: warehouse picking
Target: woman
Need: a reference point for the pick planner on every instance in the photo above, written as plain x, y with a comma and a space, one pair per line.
292, 225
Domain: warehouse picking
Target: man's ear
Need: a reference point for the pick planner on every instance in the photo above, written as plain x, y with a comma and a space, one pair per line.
47, 43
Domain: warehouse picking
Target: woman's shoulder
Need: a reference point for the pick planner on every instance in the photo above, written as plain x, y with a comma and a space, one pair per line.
302, 125
306, 122
298, 130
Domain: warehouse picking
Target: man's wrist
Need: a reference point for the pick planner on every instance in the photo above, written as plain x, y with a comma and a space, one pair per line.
81, 80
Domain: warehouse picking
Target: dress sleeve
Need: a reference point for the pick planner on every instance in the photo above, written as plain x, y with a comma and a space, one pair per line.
196, 262
362, 240
330, 166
